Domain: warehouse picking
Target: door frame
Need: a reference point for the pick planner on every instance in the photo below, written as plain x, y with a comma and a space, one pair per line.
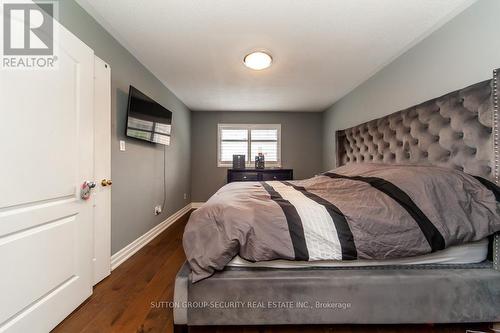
102, 170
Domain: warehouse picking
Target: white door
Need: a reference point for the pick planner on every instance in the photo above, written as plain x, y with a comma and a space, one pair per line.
102, 170
46, 152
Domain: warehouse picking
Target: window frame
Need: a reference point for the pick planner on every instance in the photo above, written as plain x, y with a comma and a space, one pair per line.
249, 128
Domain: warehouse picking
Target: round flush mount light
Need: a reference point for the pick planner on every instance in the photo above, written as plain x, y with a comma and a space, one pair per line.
258, 60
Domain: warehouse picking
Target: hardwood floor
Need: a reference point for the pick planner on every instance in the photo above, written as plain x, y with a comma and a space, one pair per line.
123, 301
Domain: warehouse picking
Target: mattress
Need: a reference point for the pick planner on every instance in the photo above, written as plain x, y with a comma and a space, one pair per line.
469, 253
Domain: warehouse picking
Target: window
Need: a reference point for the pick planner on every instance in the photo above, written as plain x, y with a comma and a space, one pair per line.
249, 140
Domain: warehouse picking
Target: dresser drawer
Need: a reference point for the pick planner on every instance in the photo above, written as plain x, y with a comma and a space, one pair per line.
276, 176
244, 176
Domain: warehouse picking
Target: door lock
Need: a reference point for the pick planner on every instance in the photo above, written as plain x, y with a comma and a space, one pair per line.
87, 186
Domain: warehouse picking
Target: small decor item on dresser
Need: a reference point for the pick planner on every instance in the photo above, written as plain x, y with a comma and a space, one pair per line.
238, 161
259, 161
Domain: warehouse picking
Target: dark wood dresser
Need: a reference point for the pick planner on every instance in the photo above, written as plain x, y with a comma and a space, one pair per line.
255, 175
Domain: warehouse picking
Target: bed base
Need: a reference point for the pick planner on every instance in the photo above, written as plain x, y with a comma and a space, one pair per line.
185, 328
371, 295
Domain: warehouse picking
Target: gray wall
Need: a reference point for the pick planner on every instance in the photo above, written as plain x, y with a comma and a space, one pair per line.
462, 52
301, 141
137, 173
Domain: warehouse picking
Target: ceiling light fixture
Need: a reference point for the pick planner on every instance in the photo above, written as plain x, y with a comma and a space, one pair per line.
258, 60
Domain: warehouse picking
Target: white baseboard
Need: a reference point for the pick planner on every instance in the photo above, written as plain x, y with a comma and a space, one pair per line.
195, 205
119, 257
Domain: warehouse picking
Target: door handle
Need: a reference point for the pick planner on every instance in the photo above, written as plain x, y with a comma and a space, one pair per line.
106, 182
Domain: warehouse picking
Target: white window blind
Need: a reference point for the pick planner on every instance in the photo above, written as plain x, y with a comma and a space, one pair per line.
249, 140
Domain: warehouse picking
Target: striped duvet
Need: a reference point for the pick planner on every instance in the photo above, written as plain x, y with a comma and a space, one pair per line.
358, 211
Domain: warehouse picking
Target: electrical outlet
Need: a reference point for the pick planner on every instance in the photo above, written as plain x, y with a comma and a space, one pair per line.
122, 145
157, 210
185, 196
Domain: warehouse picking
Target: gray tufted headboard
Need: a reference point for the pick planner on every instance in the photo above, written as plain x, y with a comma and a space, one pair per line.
458, 130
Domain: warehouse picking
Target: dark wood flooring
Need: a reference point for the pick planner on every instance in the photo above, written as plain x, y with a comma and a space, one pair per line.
122, 301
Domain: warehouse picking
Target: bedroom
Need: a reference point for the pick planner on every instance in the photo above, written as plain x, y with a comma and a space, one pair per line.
256, 166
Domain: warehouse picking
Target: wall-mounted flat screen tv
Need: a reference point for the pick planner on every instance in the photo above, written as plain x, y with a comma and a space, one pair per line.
147, 119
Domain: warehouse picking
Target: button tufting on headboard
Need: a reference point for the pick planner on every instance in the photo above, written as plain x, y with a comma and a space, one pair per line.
455, 131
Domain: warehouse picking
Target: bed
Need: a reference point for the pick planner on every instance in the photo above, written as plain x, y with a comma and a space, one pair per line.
458, 131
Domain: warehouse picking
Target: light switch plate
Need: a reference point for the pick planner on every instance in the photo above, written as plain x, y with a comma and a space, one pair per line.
122, 145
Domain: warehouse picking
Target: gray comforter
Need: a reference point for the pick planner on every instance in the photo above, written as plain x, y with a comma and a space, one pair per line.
365, 211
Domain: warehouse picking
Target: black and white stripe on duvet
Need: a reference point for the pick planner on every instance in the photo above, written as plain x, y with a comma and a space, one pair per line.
344, 233
431, 233
326, 233
294, 223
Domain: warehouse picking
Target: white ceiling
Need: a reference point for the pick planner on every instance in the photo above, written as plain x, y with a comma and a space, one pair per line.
322, 49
